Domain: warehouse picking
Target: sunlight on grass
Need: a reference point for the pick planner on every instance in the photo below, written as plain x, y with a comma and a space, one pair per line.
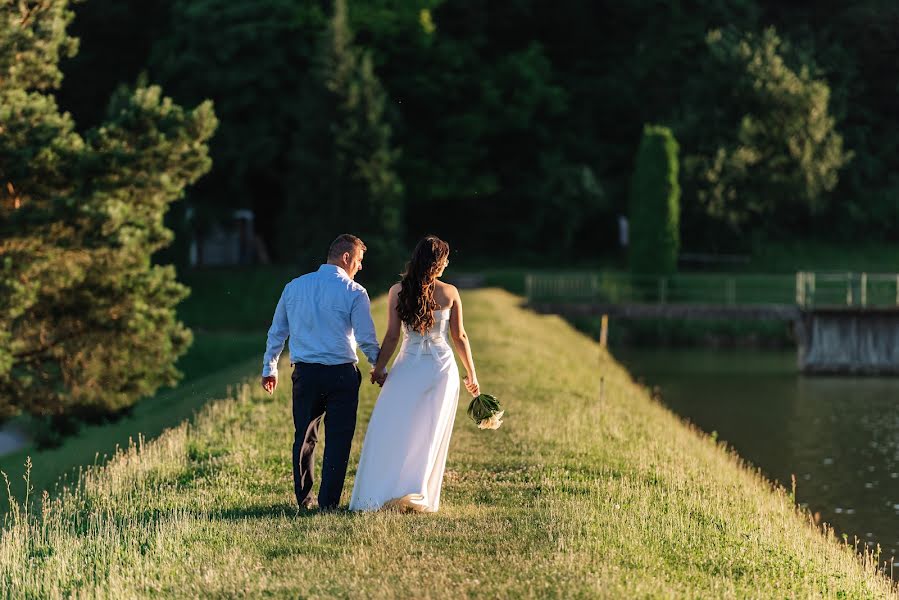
575, 496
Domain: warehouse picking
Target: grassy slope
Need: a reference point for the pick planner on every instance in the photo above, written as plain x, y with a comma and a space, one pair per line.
575, 496
214, 363
233, 298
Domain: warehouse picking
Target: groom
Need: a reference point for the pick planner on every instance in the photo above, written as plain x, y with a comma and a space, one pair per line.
324, 313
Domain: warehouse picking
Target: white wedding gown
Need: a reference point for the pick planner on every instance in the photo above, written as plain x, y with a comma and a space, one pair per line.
404, 452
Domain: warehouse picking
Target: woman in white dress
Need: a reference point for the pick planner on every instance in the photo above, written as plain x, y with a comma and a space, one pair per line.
404, 452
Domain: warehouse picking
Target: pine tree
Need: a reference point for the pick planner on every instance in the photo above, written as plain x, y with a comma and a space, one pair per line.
365, 192
87, 322
655, 204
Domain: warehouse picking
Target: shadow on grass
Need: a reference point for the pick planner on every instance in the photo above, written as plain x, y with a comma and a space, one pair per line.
281, 509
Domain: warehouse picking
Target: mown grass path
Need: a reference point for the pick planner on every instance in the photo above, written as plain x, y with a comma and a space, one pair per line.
575, 496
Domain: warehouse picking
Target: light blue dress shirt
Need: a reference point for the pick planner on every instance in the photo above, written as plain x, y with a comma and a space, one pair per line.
324, 313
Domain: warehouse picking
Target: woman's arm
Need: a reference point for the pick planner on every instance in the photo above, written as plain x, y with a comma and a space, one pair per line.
460, 340
388, 344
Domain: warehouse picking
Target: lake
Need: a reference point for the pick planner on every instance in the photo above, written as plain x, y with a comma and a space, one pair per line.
838, 435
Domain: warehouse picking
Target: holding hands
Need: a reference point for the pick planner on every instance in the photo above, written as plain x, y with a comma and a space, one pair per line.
379, 376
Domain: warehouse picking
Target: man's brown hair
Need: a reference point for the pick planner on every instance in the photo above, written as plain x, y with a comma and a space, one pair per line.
344, 243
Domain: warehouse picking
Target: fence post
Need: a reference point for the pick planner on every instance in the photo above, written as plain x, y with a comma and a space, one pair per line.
603, 331
864, 290
811, 289
800, 288
848, 289
731, 293
529, 287
663, 290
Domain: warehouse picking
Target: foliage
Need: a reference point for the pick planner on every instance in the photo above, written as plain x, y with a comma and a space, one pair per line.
507, 111
655, 204
362, 193
775, 152
254, 60
482, 117
88, 324
115, 40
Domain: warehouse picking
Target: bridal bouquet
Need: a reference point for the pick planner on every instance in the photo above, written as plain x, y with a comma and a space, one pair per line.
486, 412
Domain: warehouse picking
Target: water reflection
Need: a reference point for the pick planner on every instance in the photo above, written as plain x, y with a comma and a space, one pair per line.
838, 435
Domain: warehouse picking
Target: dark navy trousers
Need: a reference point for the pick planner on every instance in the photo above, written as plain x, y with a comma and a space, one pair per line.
329, 392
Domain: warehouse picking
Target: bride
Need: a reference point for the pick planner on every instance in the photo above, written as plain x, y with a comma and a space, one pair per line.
404, 452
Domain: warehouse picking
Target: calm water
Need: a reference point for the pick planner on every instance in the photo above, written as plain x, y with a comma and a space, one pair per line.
838, 435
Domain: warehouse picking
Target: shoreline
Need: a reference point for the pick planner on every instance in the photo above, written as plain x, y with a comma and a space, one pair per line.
590, 488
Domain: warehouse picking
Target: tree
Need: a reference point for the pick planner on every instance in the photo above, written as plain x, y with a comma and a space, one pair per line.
655, 204
305, 138
87, 323
503, 107
115, 41
854, 45
777, 153
255, 61
364, 194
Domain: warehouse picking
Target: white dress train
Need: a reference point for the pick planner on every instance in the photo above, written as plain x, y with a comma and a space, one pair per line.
404, 452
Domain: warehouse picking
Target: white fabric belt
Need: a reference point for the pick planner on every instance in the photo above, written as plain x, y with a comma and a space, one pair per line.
426, 345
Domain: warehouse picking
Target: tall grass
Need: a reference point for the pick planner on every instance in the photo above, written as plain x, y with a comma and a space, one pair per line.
213, 364
590, 489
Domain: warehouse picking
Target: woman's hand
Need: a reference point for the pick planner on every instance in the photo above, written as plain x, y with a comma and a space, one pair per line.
471, 384
379, 376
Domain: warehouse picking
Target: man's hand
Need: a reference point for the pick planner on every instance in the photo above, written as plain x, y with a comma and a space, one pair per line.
269, 384
378, 377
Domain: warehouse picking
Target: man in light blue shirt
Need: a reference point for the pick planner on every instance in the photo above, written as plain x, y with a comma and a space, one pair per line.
325, 314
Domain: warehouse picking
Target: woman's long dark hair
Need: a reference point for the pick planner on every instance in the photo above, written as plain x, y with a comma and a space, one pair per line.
416, 297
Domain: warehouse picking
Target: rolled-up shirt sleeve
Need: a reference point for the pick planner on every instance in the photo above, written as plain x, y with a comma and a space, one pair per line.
364, 327
277, 334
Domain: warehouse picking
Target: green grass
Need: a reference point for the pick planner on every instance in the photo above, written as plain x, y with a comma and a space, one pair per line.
233, 298
581, 493
242, 298
214, 363
214, 351
807, 255
229, 310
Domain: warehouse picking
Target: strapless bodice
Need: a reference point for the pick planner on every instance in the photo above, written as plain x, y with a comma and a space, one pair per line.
435, 341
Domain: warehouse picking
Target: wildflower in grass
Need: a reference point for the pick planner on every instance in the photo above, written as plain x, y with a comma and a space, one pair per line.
486, 412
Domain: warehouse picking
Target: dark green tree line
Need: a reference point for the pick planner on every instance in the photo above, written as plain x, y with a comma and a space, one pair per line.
87, 323
520, 119
362, 191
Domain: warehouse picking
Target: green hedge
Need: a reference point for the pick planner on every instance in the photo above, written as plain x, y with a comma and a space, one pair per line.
655, 204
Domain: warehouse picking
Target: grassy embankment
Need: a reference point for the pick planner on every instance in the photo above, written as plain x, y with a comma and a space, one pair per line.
577, 495
229, 310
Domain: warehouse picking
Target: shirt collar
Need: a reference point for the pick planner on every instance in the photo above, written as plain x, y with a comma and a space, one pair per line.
334, 269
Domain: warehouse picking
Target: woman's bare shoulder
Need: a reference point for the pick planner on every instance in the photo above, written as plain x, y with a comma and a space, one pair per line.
444, 285
447, 294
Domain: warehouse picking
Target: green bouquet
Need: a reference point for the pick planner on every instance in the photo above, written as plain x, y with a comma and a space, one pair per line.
486, 412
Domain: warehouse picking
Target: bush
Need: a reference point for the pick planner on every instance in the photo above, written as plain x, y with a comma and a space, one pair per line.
655, 204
